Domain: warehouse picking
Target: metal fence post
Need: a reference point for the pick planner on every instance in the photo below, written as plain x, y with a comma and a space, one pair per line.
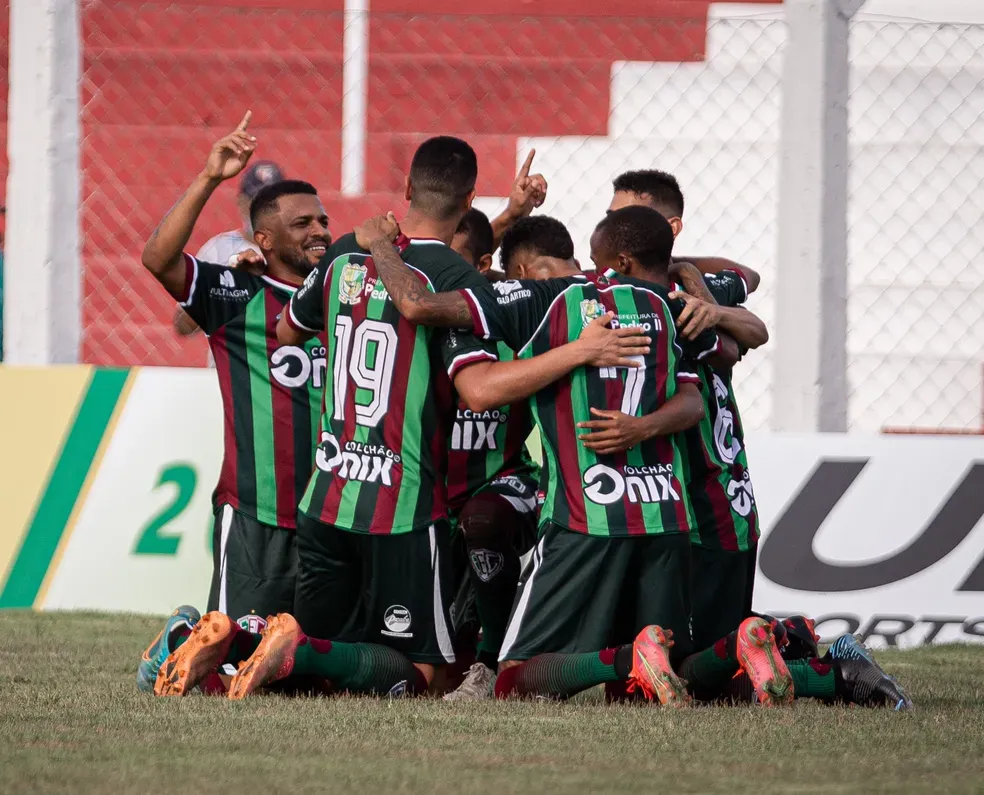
42, 302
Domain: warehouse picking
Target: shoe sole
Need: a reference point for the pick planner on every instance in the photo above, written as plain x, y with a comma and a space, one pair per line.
272, 660
760, 659
146, 672
664, 684
203, 652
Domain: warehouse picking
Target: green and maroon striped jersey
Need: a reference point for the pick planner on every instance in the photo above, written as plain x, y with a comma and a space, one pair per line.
636, 492
271, 393
381, 464
718, 482
488, 445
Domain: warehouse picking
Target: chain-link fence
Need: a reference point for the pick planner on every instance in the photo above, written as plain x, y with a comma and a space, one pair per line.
693, 94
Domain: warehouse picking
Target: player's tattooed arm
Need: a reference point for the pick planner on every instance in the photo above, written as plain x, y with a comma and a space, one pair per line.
615, 431
162, 254
528, 193
717, 264
409, 295
487, 385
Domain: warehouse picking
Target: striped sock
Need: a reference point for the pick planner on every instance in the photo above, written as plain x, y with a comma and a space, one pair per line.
812, 679
561, 675
359, 667
707, 671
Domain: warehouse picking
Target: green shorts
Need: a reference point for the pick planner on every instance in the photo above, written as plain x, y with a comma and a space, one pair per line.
582, 593
721, 591
394, 590
254, 568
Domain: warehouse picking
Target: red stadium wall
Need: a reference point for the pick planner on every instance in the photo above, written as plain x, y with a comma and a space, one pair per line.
163, 78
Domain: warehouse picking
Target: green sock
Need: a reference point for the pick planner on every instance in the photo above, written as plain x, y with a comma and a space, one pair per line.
565, 674
710, 669
812, 679
359, 667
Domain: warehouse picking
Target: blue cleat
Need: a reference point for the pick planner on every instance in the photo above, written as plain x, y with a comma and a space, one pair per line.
185, 617
863, 680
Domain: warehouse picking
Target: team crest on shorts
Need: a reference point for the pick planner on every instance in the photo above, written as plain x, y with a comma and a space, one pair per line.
397, 620
252, 623
351, 282
591, 310
486, 563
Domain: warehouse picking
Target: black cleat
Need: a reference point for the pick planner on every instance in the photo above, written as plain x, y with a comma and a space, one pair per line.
862, 681
802, 638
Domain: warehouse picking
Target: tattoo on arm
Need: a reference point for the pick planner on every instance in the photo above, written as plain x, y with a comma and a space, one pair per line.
411, 298
693, 283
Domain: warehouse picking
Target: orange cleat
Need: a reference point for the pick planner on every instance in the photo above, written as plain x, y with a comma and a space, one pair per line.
273, 658
203, 653
760, 659
651, 669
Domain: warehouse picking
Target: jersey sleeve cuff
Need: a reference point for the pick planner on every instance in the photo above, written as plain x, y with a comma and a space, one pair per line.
687, 377
715, 348
190, 281
294, 323
460, 362
744, 282
479, 322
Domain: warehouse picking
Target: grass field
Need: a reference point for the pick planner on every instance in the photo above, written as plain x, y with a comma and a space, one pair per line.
71, 720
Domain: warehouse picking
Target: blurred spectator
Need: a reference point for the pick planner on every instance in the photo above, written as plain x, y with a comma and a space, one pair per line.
222, 249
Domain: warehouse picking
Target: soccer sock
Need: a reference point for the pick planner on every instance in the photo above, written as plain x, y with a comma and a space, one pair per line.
812, 679
738, 689
707, 671
564, 674
494, 568
243, 645
359, 667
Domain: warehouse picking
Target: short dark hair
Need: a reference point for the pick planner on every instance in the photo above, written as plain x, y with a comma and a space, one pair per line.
659, 186
641, 232
443, 172
477, 230
267, 198
541, 234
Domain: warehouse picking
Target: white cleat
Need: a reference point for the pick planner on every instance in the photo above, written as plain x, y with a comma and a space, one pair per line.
477, 686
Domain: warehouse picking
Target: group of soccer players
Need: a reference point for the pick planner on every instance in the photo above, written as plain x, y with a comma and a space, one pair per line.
380, 527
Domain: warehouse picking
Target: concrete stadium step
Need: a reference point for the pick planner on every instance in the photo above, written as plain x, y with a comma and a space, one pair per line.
130, 86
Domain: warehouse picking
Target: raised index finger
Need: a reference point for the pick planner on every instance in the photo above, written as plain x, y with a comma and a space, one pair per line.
245, 122
524, 170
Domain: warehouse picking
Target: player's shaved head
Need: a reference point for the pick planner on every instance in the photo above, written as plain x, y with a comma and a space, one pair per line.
633, 235
537, 246
656, 189
442, 177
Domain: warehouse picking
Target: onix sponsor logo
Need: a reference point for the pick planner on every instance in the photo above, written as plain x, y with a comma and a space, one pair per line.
293, 367
368, 463
605, 485
476, 430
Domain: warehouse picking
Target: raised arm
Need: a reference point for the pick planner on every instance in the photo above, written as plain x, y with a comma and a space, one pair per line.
162, 254
528, 192
486, 385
